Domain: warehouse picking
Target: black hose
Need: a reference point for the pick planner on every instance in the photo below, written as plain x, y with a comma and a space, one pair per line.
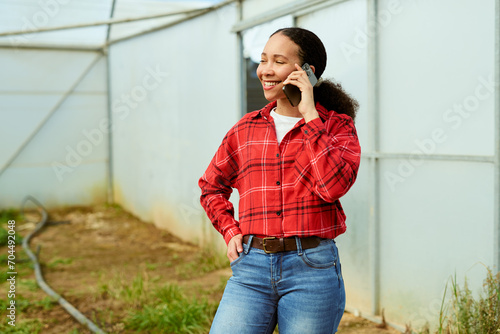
38, 271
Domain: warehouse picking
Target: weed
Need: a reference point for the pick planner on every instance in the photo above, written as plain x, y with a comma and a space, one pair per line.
465, 314
59, 261
133, 293
151, 266
4, 239
31, 326
10, 214
172, 312
157, 309
29, 284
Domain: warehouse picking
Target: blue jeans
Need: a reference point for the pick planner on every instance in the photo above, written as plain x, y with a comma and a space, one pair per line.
302, 291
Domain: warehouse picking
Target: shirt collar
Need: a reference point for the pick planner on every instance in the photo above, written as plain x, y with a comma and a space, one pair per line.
266, 111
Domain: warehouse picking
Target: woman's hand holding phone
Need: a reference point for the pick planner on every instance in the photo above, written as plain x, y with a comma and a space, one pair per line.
303, 82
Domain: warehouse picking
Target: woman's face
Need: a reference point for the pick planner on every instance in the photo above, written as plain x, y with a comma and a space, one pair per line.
277, 61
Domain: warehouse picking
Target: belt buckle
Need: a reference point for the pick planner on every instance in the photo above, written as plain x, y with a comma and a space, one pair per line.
264, 245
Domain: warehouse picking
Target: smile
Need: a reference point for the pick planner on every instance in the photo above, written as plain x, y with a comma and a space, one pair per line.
270, 84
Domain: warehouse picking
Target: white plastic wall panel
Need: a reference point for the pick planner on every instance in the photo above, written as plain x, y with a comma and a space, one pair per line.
65, 163
436, 87
341, 27
354, 244
436, 224
183, 95
436, 97
31, 15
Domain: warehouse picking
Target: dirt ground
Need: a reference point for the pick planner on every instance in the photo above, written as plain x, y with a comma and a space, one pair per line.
84, 249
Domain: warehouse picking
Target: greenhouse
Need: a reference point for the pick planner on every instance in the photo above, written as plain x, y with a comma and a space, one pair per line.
126, 102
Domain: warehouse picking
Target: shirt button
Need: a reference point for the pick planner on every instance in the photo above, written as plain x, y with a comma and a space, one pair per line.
277, 155
278, 183
278, 213
305, 132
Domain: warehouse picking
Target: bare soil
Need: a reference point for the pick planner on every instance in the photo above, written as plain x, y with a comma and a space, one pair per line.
86, 249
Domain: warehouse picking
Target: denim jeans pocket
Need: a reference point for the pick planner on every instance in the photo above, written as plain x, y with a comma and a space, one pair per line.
322, 257
240, 257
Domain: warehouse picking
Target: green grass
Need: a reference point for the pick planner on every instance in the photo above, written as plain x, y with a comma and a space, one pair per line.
4, 239
10, 214
24, 326
21, 327
465, 314
155, 308
5, 216
172, 312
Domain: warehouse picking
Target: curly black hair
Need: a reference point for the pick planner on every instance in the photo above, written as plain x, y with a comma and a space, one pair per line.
330, 94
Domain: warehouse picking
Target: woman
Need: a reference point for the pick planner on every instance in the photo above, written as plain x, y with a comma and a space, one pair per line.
290, 166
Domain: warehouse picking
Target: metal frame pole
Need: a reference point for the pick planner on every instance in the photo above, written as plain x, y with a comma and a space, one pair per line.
188, 17
110, 192
101, 23
374, 203
297, 8
496, 203
242, 64
49, 115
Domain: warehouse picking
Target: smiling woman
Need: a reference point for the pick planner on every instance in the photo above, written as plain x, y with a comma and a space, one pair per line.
290, 164
277, 62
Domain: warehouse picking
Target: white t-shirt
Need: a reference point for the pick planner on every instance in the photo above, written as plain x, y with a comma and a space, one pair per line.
283, 124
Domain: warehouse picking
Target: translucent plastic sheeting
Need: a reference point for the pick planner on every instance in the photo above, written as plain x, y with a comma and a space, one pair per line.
31, 15
437, 223
47, 71
354, 245
436, 77
172, 103
69, 150
134, 8
342, 28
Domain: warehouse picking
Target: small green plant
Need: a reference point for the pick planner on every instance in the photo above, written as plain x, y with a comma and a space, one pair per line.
156, 309
4, 237
22, 327
10, 214
59, 261
465, 314
133, 293
172, 312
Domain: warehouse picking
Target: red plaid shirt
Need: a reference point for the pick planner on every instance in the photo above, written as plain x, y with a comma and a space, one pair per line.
287, 189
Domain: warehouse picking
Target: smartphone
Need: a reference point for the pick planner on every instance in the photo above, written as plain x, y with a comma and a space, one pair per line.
293, 93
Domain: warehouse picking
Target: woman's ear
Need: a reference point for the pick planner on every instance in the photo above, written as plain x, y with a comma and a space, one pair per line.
312, 68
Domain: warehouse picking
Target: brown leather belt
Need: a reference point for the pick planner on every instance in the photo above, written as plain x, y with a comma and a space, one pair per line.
276, 245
